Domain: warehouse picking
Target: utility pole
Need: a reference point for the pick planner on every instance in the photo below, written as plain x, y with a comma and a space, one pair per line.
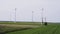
10, 17
45, 19
15, 15
42, 15
45, 22
32, 15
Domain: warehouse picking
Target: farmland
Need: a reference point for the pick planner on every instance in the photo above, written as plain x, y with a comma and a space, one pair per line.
29, 28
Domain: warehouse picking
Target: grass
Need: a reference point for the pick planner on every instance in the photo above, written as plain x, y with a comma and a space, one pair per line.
22, 23
50, 29
6, 27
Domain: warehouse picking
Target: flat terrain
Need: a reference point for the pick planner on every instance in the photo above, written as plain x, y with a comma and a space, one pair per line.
29, 28
20, 26
12, 27
49, 29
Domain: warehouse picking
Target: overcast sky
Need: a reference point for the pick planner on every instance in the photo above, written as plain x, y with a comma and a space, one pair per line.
25, 8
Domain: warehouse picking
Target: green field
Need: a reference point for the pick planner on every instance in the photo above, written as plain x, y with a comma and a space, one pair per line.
51, 28
6, 27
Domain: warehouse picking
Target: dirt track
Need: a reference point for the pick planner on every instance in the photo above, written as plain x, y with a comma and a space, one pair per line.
23, 26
